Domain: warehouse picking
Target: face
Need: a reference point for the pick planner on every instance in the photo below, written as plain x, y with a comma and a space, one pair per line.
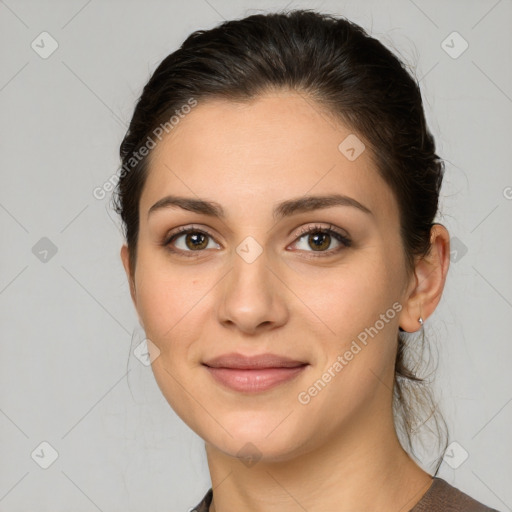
318, 282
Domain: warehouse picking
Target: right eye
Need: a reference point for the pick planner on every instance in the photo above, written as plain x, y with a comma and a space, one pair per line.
187, 240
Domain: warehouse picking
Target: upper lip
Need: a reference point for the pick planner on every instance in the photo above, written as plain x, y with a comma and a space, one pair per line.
234, 360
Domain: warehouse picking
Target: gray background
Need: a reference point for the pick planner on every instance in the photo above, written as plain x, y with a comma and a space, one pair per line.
68, 324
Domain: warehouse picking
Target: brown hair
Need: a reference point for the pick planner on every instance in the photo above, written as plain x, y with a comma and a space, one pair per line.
354, 78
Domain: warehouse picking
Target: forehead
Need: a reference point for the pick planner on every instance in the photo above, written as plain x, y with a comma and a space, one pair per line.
276, 146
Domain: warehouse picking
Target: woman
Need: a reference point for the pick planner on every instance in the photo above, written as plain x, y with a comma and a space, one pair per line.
278, 191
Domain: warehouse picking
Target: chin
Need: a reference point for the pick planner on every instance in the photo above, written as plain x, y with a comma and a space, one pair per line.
252, 451
252, 442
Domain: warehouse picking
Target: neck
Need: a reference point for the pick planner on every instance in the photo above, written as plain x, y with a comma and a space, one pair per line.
361, 469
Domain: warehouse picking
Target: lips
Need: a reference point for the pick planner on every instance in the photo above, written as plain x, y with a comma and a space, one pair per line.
250, 374
239, 361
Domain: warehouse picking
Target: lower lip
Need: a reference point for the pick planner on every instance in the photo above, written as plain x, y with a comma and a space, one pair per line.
254, 380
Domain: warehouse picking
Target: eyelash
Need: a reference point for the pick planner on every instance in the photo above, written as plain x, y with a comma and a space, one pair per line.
345, 241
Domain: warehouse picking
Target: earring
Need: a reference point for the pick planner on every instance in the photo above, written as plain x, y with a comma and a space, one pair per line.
420, 320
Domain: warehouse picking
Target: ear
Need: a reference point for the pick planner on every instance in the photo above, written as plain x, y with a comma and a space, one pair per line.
428, 281
125, 258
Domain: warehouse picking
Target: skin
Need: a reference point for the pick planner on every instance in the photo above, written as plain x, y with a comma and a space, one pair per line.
339, 451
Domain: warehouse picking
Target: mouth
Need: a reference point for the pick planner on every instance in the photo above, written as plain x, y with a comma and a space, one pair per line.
252, 374
241, 362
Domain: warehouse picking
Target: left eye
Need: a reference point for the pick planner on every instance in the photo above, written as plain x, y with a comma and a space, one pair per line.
320, 240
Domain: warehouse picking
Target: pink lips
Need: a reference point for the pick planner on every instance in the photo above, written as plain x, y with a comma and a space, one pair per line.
254, 373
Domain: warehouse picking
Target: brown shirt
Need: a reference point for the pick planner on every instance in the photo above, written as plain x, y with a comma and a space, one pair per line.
440, 497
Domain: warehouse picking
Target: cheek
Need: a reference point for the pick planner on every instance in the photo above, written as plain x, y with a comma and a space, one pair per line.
174, 304
350, 298
359, 315
163, 300
171, 308
359, 312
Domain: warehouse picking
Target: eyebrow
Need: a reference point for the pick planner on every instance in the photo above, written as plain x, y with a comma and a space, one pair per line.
284, 209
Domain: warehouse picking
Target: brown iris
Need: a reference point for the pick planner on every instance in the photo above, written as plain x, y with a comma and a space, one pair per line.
196, 241
321, 241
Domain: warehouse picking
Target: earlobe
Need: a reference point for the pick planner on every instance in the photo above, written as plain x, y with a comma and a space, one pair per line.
430, 277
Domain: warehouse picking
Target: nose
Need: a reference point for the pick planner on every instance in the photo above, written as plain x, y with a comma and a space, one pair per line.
252, 297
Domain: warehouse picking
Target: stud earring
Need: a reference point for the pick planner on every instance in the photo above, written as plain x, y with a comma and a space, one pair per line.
420, 320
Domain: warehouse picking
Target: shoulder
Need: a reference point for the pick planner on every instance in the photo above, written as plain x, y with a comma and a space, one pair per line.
204, 504
443, 497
